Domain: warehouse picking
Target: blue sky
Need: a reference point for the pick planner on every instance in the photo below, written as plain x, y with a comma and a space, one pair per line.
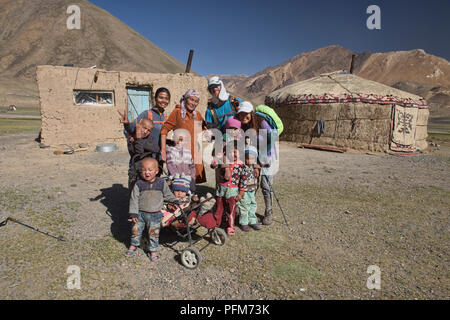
244, 37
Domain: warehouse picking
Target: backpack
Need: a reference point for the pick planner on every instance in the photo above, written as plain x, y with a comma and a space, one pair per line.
150, 116
234, 102
271, 117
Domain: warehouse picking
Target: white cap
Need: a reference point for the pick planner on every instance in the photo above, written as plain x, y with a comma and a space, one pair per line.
223, 95
246, 107
213, 80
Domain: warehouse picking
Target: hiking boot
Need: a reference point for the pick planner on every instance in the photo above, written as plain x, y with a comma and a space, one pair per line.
267, 221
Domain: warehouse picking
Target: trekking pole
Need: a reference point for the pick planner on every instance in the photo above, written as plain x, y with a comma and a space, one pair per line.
271, 190
60, 238
4, 222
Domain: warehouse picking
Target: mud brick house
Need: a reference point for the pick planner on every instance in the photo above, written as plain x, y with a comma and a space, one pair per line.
79, 105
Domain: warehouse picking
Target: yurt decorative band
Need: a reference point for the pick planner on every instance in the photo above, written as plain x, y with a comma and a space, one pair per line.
365, 98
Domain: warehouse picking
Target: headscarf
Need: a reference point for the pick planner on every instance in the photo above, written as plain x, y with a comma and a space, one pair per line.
223, 95
189, 93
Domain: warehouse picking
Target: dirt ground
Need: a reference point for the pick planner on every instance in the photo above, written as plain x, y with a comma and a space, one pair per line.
345, 212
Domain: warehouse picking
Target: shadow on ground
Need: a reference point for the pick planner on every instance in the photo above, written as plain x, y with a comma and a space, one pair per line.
115, 199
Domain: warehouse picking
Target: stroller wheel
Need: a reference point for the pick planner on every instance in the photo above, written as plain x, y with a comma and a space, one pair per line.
219, 237
191, 258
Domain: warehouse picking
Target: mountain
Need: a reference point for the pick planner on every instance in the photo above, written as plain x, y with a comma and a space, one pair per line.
300, 67
35, 33
414, 71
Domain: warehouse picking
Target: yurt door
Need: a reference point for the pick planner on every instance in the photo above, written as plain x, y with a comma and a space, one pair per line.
404, 128
138, 101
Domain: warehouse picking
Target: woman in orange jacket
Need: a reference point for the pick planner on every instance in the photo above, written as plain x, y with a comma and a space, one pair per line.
184, 116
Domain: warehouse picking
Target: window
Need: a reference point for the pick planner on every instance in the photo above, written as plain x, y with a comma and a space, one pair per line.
93, 98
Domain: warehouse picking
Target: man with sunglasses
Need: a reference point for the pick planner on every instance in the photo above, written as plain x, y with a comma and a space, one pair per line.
221, 106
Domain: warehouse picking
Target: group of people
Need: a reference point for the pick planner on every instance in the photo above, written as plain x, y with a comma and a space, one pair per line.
237, 175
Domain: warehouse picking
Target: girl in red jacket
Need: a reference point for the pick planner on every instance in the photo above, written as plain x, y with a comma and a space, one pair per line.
230, 188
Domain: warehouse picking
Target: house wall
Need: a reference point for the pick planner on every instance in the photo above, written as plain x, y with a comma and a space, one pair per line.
64, 123
358, 126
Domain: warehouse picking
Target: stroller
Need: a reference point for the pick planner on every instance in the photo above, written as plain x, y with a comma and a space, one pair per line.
188, 222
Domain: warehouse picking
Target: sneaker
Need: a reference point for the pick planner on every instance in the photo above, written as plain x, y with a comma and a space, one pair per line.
245, 228
256, 226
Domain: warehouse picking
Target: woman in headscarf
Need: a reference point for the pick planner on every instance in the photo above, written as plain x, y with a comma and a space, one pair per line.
185, 116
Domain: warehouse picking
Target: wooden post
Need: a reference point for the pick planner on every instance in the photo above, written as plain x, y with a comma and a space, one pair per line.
352, 63
188, 66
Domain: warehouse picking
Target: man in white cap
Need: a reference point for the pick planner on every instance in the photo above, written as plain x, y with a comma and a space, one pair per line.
221, 105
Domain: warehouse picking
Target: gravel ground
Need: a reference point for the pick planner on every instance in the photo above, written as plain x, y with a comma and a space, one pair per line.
345, 212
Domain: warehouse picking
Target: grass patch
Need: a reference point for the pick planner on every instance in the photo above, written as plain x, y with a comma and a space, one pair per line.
293, 270
19, 125
439, 129
389, 198
437, 188
437, 136
267, 258
266, 241
36, 265
29, 111
107, 249
37, 209
73, 205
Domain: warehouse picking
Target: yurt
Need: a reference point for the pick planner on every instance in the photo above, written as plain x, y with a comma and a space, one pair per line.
343, 110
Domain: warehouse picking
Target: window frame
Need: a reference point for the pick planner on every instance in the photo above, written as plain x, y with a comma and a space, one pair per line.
96, 104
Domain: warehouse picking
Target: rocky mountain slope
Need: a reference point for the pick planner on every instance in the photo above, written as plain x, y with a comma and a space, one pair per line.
35, 33
414, 71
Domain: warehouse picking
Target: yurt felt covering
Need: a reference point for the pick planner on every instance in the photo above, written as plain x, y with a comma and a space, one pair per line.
378, 120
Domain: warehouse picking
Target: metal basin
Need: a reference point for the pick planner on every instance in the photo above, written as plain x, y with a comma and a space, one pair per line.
106, 147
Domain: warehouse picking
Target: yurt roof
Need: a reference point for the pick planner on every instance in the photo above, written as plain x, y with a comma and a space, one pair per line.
338, 87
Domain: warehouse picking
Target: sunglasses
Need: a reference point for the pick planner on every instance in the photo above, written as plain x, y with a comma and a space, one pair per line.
213, 86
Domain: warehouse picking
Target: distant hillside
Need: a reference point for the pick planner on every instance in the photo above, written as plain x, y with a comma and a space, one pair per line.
229, 78
35, 33
414, 71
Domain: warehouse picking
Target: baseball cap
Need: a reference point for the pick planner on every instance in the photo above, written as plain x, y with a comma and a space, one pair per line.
246, 107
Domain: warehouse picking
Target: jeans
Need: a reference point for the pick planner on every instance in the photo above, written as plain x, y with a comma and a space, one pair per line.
153, 222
